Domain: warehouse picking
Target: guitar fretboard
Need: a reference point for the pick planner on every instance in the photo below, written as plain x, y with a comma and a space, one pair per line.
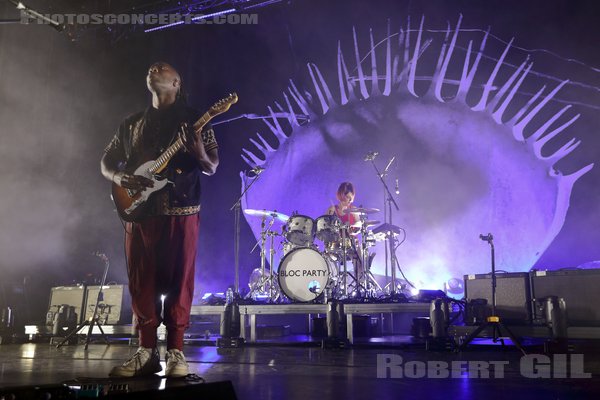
162, 161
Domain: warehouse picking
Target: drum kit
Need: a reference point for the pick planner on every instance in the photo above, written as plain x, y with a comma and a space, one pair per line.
315, 256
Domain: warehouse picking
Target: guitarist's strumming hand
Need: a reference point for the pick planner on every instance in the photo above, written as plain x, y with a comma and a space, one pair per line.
133, 182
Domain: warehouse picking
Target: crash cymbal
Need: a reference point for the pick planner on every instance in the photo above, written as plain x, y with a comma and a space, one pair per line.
361, 210
266, 213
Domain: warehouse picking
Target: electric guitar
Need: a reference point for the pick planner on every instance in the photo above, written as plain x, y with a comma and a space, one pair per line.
130, 203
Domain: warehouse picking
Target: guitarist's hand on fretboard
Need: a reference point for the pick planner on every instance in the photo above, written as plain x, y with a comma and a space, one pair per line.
192, 143
136, 183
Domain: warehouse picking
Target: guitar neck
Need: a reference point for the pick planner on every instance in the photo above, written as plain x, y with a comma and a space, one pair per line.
162, 161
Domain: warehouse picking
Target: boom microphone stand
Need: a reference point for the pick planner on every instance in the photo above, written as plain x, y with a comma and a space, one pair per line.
236, 242
390, 236
493, 320
94, 318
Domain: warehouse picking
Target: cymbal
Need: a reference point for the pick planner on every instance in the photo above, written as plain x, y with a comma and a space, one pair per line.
266, 213
361, 210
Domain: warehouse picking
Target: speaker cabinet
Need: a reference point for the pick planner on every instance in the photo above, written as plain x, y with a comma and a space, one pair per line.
114, 306
513, 296
69, 295
579, 287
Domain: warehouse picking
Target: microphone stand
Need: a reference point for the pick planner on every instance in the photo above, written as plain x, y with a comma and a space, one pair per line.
236, 239
389, 200
493, 320
93, 320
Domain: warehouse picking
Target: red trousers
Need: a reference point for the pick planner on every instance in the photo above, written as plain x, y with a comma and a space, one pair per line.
161, 255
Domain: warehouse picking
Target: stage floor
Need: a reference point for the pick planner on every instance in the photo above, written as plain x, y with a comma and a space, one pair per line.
264, 371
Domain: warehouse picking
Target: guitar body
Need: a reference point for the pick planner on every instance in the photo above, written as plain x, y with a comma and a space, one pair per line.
131, 205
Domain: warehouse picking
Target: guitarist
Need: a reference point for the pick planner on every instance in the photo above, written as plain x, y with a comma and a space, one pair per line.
161, 248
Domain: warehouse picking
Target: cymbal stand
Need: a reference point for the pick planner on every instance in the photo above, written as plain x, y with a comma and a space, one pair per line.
272, 295
236, 208
260, 288
344, 262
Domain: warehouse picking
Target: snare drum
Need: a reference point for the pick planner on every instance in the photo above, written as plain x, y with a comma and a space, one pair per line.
300, 230
337, 246
304, 274
328, 228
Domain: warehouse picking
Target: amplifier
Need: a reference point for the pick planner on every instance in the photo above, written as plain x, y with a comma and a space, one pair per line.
114, 306
579, 288
513, 296
69, 295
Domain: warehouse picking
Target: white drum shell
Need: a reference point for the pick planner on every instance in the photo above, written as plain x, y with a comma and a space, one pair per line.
302, 269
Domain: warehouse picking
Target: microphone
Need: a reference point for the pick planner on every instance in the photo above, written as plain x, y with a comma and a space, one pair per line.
397, 187
257, 170
370, 156
389, 164
486, 238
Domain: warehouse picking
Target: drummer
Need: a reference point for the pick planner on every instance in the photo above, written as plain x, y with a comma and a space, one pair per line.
345, 195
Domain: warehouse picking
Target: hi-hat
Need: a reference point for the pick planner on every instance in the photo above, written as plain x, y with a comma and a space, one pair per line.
266, 213
361, 210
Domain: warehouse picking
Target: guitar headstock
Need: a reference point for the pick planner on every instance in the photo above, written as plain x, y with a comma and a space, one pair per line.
223, 105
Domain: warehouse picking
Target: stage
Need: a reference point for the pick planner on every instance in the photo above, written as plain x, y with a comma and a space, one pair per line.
300, 371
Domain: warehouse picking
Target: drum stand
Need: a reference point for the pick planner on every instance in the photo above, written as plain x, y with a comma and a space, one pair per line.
369, 283
345, 273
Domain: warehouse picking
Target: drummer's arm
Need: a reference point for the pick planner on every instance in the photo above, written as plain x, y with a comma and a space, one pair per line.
330, 210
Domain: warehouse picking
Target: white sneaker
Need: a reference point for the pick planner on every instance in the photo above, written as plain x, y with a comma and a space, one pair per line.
176, 364
143, 362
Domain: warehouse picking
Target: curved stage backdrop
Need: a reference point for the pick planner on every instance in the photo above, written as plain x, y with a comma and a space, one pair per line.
477, 130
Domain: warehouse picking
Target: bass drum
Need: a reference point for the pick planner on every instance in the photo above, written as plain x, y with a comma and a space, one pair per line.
304, 274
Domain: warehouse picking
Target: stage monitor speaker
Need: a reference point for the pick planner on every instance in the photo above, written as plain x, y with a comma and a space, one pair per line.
579, 287
114, 306
69, 295
513, 296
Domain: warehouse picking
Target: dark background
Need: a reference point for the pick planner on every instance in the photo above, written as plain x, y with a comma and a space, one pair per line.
61, 101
